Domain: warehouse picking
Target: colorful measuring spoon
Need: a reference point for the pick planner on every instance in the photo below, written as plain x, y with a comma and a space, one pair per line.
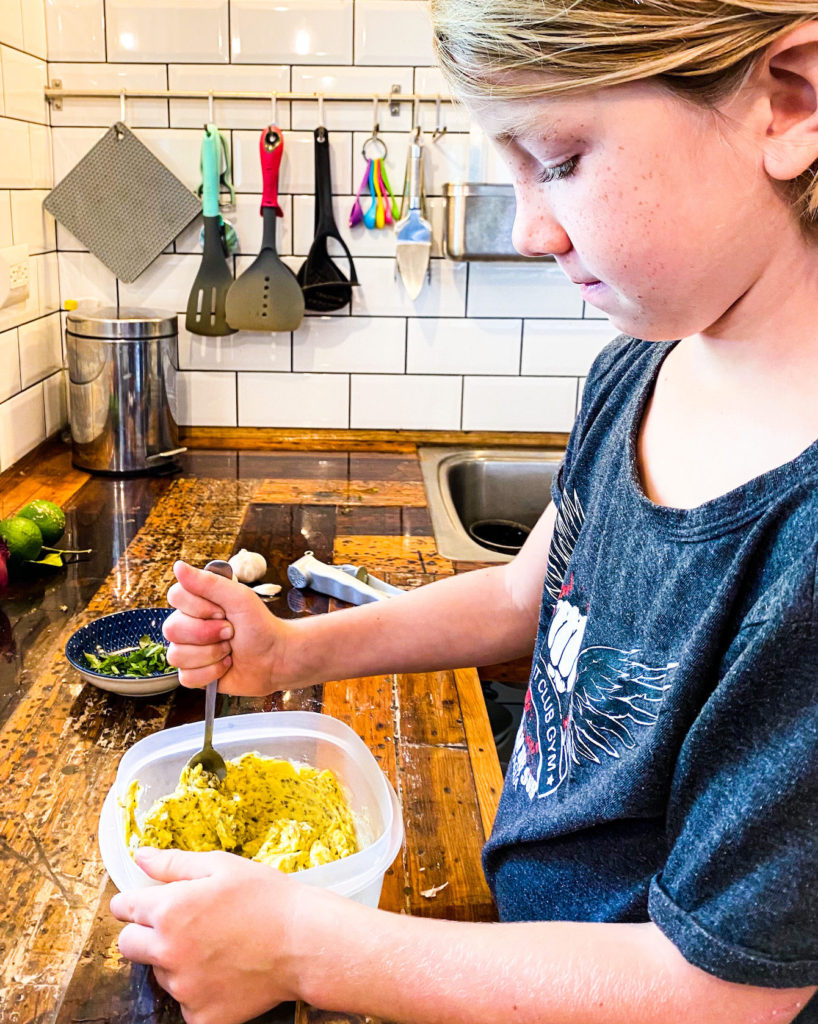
388, 191
380, 205
387, 208
356, 214
371, 213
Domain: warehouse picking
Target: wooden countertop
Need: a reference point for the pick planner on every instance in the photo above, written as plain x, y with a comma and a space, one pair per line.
61, 740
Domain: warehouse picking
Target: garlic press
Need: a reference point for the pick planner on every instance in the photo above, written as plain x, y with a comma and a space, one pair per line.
349, 583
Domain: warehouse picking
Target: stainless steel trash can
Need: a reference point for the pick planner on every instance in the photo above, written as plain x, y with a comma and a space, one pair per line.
122, 368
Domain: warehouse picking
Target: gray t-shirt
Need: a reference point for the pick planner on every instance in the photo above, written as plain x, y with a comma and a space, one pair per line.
666, 767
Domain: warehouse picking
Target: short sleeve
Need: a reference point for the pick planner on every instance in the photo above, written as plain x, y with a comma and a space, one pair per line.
738, 893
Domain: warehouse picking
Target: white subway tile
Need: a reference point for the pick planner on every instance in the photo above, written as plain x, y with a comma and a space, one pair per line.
103, 111
40, 349
350, 345
179, 149
11, 23
75, 29
297, 163
581, 381
42, 175
168, 30
454, 116
522, 289
70, 146
55, 396
518, 403
401, 402
24, 79
206, 399
263, 78
302, 31
443, 161
293, 400
66, 242
393, 32
22, 425
6, 236
563, 347
463, 346
381, 292
10, 382
165, 284
84, 278
245, 350
46, 269
349, 115
32, 225
15, 167
34, 40
2, 96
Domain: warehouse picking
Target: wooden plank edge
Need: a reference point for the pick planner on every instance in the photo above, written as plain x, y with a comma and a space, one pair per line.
273, 439
488, 776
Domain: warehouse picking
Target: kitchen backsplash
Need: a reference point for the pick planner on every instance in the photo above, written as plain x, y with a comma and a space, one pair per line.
486, 346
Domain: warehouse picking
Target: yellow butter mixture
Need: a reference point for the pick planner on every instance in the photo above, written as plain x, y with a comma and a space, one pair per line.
289, 816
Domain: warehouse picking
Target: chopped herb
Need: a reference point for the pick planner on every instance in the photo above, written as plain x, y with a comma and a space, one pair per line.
148, 659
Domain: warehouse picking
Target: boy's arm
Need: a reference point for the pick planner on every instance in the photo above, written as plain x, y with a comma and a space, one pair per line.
481, 617
240, 938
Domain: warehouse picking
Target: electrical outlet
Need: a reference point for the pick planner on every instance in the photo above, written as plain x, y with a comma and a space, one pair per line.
14, 275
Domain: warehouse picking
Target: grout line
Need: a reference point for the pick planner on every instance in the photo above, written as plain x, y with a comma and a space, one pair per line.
462, 397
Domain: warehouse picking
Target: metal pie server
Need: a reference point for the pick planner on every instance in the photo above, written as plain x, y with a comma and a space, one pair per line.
413, 230
210, 759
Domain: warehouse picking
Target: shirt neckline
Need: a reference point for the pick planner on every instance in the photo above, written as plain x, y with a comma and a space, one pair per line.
728, 511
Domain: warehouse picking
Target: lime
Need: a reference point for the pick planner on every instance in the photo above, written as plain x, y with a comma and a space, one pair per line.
23, 538
48, 516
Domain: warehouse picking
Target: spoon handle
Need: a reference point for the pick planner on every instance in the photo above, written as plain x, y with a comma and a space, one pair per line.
221, 568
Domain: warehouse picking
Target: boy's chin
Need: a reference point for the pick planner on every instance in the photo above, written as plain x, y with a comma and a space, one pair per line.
646, 330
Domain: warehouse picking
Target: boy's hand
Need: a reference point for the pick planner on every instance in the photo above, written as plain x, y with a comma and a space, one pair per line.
219, 936
222, 630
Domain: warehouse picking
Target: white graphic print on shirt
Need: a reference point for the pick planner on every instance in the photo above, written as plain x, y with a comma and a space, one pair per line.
582, 702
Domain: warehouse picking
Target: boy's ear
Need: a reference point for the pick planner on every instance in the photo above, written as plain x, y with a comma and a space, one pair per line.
791, 79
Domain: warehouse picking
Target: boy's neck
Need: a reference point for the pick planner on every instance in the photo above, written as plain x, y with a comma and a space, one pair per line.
737, 400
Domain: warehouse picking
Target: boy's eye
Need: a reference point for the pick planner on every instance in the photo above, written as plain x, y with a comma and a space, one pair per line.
560, 171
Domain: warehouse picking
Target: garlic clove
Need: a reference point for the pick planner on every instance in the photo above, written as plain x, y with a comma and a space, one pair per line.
248, 566
267, 589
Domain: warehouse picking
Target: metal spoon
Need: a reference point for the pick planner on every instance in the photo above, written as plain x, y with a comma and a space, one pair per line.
211, 760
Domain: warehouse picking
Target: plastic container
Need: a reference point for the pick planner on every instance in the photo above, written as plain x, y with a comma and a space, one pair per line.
304, 736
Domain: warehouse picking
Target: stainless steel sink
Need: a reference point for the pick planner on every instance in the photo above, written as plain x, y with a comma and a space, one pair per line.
484, 501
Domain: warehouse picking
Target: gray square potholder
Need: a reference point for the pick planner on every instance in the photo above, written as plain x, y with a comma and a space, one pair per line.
122, 203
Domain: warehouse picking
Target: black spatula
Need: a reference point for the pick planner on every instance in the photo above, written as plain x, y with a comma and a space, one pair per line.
206, 304
325, 287
266, 297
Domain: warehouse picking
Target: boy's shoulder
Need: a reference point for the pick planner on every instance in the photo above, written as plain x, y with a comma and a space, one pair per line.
623, 358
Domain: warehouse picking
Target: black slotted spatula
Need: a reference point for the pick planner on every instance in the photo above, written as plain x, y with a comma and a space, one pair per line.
206, 304
267, 297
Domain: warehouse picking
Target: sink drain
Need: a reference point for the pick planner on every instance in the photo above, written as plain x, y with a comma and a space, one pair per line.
502, 535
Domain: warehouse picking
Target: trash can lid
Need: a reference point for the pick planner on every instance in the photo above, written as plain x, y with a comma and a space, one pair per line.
122, 323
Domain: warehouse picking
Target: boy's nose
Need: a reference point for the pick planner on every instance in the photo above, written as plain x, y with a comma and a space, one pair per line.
537, 232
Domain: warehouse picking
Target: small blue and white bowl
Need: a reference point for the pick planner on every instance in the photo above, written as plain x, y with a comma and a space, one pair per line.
122, 631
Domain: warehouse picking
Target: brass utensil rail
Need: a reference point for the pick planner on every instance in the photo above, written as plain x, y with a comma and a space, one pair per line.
55, 94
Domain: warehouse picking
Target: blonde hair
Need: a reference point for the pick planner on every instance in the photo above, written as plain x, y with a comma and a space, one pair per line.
700, 49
